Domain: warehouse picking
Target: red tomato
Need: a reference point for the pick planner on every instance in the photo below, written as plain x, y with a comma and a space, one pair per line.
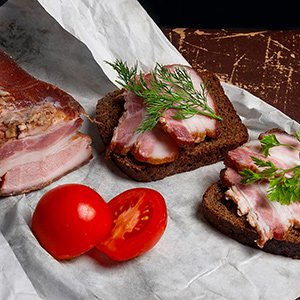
139, 221
70, 220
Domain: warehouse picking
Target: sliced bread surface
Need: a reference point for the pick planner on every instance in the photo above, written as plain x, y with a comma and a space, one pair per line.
222, 214
231, 133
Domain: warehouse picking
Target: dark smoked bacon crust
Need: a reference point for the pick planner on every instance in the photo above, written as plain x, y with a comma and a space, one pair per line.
39, 135
24, 98
28, 90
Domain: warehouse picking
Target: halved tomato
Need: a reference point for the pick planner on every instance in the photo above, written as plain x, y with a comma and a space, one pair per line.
139, 221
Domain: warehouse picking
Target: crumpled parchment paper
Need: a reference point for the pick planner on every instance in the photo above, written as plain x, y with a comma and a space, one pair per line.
192, 260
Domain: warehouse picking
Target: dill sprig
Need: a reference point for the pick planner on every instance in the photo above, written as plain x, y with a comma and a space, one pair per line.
284, 184
164, 90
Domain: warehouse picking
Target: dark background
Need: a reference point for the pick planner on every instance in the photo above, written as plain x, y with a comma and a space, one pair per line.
208, 14
272, 15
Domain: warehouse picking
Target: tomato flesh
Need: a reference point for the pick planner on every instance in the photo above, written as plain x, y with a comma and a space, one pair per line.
71, 219
139, 221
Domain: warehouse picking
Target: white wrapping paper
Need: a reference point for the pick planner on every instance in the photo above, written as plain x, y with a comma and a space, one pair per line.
192, 260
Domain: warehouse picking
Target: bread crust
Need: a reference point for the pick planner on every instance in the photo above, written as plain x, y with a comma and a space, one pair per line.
222, 214
231, 134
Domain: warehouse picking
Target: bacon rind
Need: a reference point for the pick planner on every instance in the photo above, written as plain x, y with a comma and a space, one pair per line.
23, 90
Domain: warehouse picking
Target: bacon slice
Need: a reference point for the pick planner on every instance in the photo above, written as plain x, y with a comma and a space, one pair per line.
193, 130
36, 169
124, 135
270, 219
153, 146
287, 156
39, 138
281, 156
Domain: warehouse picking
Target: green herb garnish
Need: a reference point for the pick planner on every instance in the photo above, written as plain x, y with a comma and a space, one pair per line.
282, 188
164, 90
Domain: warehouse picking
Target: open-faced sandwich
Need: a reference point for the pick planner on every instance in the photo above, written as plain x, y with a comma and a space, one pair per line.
169, 121
257, 198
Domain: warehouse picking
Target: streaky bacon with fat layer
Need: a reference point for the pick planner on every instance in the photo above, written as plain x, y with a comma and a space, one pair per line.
153, 146
280, 156
193, 130
269, 218
163, 142
39, 138
124, 135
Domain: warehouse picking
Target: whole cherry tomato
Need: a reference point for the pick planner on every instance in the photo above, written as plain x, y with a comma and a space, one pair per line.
71, 219
139, 221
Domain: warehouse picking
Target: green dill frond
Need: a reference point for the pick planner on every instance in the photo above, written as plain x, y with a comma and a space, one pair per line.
164, 90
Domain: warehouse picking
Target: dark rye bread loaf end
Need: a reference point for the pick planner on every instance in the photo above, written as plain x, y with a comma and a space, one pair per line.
222, 214
232, 133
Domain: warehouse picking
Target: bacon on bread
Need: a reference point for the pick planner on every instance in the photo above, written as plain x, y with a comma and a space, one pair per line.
173, 146
253, 219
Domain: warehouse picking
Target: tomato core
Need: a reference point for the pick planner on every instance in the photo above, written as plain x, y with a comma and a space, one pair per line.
130, 219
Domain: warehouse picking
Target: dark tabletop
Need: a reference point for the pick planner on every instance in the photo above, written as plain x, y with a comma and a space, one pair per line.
265, 63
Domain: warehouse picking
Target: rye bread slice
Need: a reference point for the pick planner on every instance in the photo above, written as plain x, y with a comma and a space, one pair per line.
222, 214
232, 133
